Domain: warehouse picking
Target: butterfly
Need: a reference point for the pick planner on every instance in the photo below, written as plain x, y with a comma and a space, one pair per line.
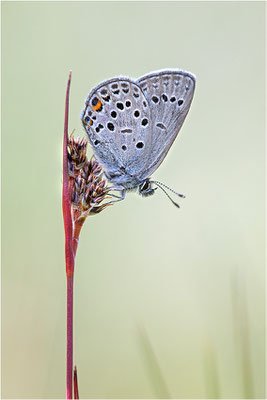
131, 125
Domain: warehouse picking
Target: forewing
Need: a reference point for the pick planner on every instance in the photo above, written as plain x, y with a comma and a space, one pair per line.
169, 94
116, 118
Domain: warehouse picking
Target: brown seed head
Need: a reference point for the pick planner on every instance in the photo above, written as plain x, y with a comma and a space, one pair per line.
88, 187
76, 154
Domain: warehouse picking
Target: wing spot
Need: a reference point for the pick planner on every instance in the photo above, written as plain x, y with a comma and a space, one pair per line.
113, 114
161, 126
126, 130
166, 82
136, 95
107, 98
88, 120
144, 104
110, 126
155, 99
124, 147
120, 106
114, 86
136, 113
96, 142
128, 103
180, 102
139, 145
164, 98
116, 91
172, 99
104, 92
99, 127
144, 121
94, 101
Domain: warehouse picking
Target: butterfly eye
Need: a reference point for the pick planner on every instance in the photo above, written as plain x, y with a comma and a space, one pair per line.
145, 186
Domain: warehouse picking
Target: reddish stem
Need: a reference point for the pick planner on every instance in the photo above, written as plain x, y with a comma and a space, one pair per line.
76, 234
69, 257
69, 336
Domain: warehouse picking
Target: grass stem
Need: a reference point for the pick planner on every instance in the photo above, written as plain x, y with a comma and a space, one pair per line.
69, 257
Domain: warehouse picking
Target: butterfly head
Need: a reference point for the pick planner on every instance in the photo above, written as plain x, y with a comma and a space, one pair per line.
145, 188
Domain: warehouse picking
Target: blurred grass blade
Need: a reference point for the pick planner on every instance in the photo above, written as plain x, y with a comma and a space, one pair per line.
211, 374
242, 336
154, 372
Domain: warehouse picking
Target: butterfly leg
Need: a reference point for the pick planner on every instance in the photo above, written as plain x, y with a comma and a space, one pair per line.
118, 198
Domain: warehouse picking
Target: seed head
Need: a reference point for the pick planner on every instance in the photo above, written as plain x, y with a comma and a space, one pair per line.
88, 185
76, 154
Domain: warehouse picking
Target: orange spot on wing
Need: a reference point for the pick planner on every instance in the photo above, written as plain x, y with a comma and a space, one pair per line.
97, 106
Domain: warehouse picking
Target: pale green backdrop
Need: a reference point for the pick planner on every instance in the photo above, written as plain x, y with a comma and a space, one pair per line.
168, 302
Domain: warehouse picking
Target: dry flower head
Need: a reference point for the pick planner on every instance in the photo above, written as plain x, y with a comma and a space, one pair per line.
88, 185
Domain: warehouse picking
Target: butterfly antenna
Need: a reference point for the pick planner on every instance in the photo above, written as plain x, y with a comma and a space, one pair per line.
158, 184
167, 187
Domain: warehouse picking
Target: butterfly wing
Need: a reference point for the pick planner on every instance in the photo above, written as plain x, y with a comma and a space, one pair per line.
169, 94
116, 117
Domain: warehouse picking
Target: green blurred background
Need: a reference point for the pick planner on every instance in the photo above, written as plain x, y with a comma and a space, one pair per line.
168, 303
